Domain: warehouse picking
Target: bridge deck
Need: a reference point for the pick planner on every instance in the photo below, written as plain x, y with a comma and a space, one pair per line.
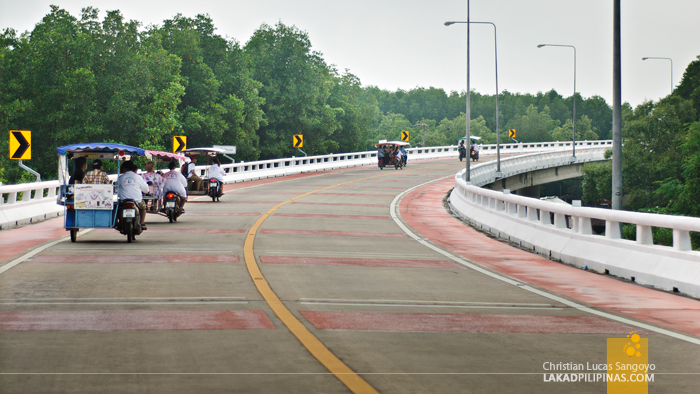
328, 269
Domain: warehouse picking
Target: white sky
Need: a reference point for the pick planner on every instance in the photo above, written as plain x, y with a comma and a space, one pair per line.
403, 43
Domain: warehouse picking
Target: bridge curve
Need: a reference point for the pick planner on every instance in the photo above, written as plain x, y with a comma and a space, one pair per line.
369, 263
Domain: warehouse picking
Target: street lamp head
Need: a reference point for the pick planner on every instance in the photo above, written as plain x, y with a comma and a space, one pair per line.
541, 45
449, 23
645, 58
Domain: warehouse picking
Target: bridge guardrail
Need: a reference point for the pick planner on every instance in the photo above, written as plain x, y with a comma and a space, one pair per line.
565, 233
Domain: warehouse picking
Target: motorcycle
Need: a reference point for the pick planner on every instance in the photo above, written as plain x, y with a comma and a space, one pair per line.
475, 155
214, 189
128, 219
171, 206
462, 153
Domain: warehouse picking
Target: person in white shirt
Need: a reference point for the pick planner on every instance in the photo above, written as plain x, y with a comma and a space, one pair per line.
399, 155
218, 173
189, 173
131, 187
175, 182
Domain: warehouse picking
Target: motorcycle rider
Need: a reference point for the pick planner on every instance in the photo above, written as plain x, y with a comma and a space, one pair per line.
462, 150
132, 186
218, 173
175, 182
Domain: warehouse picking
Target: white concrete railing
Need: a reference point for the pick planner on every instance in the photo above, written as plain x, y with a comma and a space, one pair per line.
33, 206
564, 232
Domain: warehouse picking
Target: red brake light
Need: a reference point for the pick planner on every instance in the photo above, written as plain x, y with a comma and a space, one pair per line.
170, 195
129, 205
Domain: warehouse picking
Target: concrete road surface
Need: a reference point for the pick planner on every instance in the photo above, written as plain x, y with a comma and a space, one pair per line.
307, 284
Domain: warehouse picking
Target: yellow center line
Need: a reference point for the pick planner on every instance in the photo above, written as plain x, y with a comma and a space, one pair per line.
317, 349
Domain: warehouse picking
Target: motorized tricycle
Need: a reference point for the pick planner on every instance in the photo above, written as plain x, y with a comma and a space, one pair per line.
210, 186
96, 205
388, 151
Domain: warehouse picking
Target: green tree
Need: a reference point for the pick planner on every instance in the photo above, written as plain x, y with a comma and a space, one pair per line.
597, 183
297, 84
584, 131
455, 129
534, 126
357, 117
651, 152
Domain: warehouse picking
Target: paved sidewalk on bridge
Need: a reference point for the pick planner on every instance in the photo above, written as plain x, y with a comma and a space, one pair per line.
423, 210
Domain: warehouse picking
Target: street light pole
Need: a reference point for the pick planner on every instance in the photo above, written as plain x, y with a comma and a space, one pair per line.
664, 58
573, 123
498, 130
616, 197
424, 126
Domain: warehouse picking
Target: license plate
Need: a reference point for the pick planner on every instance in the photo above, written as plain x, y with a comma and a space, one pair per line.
212, 185
170, 204
129, 213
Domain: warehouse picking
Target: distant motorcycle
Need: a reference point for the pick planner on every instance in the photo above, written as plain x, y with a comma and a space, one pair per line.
475, 155
171, 205
462, 153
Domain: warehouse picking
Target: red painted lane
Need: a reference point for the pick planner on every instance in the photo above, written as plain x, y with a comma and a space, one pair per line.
446, 322
361, 187
382, 180
243, 185
355, 194
135, 259
314, 215
333, 233
422, 210
359, 262
20, 240
214, 213
133, 320
235, 202
341, 204
160, 230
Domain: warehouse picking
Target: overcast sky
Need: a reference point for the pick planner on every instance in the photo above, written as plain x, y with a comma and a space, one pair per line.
403, 43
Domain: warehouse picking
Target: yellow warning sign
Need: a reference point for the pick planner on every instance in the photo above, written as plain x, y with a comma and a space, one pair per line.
20, 144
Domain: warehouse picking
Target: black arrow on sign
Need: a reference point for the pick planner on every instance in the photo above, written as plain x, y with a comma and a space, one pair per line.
297, 141
23, 145
180, 144
404, 136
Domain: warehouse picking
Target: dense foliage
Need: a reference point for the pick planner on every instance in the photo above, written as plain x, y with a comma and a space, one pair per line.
660, 154
81, 79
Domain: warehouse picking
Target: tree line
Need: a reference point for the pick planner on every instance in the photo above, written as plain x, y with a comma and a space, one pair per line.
82, 79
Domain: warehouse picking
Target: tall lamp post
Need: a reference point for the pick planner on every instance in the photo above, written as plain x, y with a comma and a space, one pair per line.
467, 174
498, 130
664, 58
424, 126
573, 123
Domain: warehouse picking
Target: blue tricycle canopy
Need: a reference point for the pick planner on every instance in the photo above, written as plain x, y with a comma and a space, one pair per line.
101, 147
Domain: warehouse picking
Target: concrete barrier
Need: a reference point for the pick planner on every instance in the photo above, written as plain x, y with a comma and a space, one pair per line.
564, 232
